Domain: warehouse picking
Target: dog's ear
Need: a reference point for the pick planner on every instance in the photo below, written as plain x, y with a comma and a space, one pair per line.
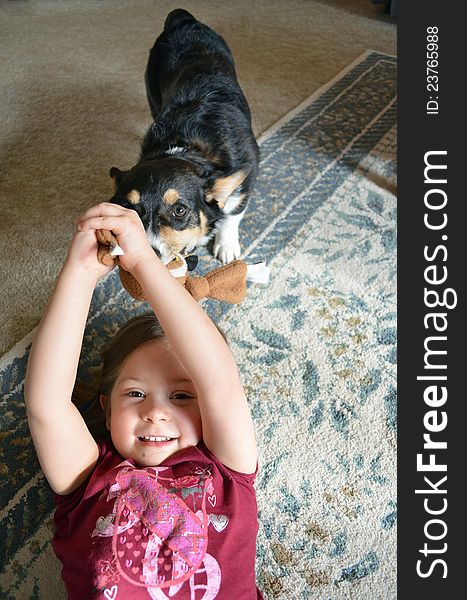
225, 186
116, 175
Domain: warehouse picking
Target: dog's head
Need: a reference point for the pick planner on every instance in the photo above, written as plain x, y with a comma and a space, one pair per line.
177, 205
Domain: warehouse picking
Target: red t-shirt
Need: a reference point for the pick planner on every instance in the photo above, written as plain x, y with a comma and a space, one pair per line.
184, 530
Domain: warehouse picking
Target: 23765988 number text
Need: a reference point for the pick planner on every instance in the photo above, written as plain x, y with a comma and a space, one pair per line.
432, 74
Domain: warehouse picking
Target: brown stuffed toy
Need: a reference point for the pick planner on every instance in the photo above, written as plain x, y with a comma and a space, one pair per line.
227, 283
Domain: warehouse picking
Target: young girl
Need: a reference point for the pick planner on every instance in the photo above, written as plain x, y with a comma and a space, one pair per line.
167, 508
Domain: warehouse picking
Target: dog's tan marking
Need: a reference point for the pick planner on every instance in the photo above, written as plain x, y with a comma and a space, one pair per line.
188, 238
134, 197
177, 240
224, 187
171, 196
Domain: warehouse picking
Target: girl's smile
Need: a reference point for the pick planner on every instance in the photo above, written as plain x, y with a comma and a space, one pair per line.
150, 439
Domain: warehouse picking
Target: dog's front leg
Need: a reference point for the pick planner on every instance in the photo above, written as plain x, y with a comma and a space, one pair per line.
226, 245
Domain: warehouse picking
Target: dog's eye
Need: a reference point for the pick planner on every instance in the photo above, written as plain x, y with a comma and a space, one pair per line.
179, 210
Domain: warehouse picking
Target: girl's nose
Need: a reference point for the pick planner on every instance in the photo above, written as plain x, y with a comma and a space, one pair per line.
156, 410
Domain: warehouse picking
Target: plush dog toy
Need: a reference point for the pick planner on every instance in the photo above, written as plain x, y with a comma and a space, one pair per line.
227, 283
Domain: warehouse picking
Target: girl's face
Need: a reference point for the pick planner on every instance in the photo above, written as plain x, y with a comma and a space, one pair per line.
153, 406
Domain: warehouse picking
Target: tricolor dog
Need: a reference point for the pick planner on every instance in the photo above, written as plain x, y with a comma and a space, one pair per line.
199, 159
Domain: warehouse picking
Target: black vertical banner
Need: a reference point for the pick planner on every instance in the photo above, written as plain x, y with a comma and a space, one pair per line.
432, 332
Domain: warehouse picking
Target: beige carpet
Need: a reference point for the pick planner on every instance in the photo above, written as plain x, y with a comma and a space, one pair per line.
73, 104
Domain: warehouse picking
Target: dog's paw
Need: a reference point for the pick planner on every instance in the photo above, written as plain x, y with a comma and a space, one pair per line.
226, 249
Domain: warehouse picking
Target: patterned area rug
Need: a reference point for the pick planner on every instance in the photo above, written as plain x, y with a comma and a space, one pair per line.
316, 348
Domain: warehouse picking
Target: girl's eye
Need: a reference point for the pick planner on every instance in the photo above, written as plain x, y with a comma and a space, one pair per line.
136, 394
180, 396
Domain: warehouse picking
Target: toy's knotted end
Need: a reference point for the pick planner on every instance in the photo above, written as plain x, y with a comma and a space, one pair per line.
227, 283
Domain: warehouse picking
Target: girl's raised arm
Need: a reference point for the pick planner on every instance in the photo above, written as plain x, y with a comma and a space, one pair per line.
227, 425
65, 448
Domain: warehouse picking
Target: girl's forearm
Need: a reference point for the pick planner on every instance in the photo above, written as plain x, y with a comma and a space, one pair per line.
193, 336
55, 351
227, 425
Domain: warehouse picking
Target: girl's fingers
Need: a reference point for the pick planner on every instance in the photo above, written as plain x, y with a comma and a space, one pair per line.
111, 217
105, 209
116, 224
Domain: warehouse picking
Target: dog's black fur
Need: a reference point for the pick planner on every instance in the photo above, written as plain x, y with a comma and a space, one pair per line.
199, 159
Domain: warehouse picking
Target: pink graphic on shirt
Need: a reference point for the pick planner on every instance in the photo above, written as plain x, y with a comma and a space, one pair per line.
164, 517
157, 541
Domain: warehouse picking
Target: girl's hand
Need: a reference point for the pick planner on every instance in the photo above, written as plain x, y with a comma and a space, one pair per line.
82, 254
126, 226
